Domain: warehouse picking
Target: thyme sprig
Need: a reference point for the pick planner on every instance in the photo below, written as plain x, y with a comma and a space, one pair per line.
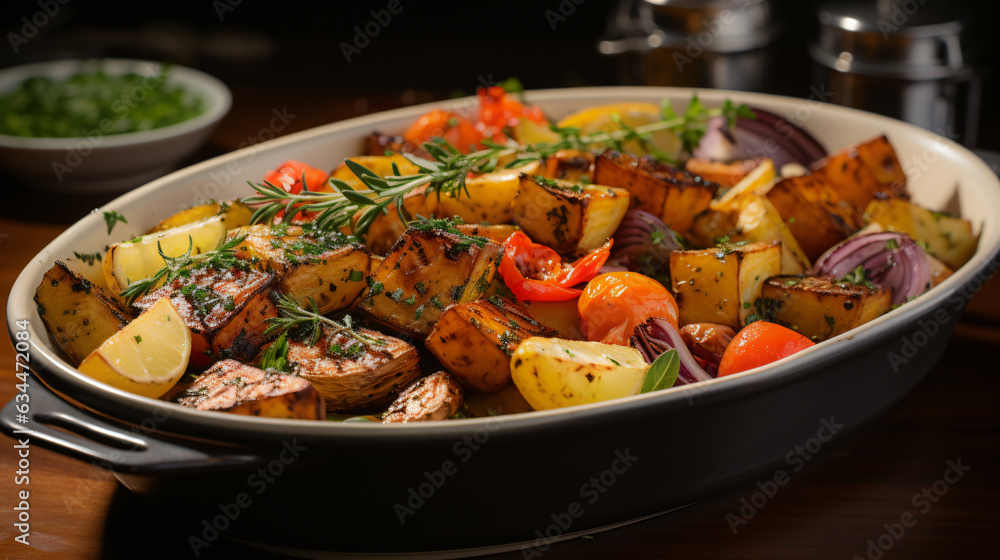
307, 324
222, 257
447, 171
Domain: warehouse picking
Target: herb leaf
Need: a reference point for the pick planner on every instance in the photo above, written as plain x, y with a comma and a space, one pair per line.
662, 373
113, 217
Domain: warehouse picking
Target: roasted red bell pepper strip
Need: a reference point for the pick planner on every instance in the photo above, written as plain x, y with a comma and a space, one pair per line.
535, 272
289, 177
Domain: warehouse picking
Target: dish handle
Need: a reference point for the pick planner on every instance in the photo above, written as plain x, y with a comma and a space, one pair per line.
55, 424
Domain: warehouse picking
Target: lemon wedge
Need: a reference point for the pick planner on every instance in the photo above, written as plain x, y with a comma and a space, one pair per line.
758, 181
147, 357
600, 119
139, 259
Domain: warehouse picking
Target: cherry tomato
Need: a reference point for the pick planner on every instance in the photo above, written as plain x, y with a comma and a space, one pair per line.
499, 109
758, 344
458, 131
614, 303
535, 272
289, 177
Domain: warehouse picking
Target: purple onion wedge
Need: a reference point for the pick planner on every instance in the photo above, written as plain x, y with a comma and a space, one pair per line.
655, 337
643, 243
889, 259
768, 135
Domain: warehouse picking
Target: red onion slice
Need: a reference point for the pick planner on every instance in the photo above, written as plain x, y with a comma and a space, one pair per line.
889, 259
643, 243
768, 135
655, 337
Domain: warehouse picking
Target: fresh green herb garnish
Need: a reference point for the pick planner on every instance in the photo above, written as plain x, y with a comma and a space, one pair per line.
112, 218
308, 324
223, 257
88, 259
662, 373
275, 357
857, 276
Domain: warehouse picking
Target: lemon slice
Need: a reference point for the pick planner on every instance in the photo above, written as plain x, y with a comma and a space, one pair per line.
599, 119
147, 357
758, 181
129, 261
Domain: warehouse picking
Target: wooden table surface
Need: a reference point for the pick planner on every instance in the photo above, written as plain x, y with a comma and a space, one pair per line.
854, 493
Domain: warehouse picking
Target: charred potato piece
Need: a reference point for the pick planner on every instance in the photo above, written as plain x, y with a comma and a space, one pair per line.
857, 172
435, 397
474, 341
721, 285
670, 193
821, 308
226, 311
814, 212
234, 387
78, 315
487, 197
326, 268
949, 238
386, 228
574, 166
426, 271
352, 376
724, 174
567, 217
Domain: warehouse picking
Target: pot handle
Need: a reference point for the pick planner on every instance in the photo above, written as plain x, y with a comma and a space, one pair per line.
57, 425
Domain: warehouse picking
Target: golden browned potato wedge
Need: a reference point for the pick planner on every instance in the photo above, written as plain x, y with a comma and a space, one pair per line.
672, 194
351, 376
574, 166
435, 397
751, 218
488, 197
78, 315
327, 268
380, 165
814, 212
560, 316
474, 341
857, 172
226, 311
949, 238
386, 228
567, 217
234, 387
821, 308
236, 215
426, 271
720, 285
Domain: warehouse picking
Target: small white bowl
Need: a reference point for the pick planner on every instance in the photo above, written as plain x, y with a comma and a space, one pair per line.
103, 163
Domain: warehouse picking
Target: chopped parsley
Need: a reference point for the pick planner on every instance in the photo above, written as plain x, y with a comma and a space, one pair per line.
355, 276
112, 218
857, 276
88, 259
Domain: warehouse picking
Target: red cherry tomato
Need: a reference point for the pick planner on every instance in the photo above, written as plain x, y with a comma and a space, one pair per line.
499, 109
458, 131
761, 343
535, 272
614, 303
289, 177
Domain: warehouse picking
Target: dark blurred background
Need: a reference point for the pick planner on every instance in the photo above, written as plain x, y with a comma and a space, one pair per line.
432, 50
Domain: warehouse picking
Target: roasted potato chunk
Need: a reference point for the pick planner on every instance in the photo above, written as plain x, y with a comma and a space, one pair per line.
720, 285
351, 376
474, 341
496, 233
234, 387
226, 311
821, 308
561, 316
486, 198
814, 212
327, 268
949, 238
857, 172
435, 397
574, 166
567, 217
670, 193
426, 271
752, 218
78, 315
724, 174
386, 228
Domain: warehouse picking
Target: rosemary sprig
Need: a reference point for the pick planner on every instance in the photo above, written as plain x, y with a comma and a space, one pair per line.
305, 324
448, 169
222, 257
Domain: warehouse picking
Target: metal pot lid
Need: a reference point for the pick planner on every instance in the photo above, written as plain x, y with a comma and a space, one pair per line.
907, 39
721, 26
